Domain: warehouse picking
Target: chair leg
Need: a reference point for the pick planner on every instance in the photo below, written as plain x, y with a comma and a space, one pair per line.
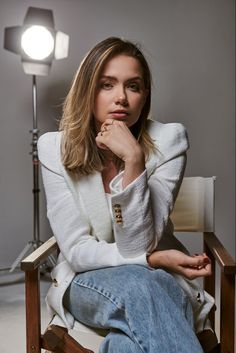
227, 312
208, 341
33, 321
56, 339
209, 282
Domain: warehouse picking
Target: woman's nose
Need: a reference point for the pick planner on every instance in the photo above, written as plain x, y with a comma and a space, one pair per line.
121, 98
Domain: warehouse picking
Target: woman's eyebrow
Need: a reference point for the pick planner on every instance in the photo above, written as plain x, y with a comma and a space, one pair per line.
135, 78
107, 77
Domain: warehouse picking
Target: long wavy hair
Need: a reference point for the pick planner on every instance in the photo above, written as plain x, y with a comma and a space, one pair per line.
78, 150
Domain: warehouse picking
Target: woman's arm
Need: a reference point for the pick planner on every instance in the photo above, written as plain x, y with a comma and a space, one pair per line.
145, 199
145, 206
69, 225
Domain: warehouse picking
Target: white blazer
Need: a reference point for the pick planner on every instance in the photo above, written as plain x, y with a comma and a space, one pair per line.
89, 237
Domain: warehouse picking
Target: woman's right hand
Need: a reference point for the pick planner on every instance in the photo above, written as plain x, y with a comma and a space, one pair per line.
176, 261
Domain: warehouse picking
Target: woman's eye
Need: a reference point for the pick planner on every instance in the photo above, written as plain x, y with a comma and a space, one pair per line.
106, 85
134, 87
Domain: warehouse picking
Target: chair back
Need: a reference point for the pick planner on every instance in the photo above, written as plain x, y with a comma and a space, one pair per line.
194, 208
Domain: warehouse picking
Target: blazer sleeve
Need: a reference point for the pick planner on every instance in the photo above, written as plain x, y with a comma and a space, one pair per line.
70, 227
141, 211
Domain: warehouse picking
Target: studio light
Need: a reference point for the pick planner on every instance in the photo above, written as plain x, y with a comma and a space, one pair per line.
38, 44
37, 41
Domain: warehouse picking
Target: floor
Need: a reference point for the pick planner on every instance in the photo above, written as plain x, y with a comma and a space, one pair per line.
12, 315
12, 312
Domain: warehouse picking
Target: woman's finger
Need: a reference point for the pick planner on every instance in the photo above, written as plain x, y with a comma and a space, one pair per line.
196, 261
99, 141
108, 122
192, 273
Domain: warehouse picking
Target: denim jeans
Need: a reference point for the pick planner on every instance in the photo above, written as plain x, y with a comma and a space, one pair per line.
144, 310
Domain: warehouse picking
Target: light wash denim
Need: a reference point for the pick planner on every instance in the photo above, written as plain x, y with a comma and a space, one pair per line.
144, 310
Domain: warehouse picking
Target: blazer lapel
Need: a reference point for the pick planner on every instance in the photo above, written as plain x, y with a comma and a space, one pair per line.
92, 192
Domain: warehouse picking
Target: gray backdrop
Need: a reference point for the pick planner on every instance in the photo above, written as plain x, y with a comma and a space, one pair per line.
190, 47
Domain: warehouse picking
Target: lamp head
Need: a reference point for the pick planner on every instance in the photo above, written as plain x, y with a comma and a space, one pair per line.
36, 41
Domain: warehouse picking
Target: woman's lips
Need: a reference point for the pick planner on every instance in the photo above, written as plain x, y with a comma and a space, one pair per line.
119, 115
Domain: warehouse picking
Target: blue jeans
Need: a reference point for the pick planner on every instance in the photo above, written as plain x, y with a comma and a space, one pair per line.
144, 310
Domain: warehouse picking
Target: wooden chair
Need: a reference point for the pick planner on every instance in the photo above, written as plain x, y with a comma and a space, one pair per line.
194, 212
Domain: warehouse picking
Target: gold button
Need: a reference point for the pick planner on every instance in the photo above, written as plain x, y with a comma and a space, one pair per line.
55, 283
118, 216
199, 297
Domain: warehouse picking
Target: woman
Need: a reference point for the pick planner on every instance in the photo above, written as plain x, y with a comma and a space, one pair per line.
111, 178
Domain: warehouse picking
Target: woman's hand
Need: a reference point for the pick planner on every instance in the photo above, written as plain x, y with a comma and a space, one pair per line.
116, 137
176, 261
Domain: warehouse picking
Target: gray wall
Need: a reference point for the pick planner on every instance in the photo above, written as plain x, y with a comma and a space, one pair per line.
190, 47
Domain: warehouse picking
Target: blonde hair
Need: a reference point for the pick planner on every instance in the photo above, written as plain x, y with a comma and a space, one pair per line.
79, 150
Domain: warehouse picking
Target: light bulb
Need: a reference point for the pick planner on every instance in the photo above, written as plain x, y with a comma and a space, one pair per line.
37, 42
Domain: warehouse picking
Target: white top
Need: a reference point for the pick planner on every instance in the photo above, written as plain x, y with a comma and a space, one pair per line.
108, 197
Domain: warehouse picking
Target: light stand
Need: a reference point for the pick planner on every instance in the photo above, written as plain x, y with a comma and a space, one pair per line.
35, 161
36, 242
36, 54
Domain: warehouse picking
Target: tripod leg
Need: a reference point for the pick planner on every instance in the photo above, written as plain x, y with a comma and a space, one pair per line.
21, 256
52, 260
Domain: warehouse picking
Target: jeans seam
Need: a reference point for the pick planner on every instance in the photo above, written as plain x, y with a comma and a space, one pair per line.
96, 289
135, 338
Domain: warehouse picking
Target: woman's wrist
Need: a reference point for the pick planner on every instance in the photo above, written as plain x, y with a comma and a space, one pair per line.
160, 258
134, 167
135, 156
155, 259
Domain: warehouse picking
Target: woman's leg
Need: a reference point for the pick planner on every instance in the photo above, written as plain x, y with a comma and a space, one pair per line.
145, 310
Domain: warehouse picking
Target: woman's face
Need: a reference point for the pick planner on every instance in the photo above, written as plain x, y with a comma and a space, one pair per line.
121, 93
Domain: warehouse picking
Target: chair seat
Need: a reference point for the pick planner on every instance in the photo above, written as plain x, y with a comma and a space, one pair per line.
89, 339
76, 341
85, 335
82, 328
79, 327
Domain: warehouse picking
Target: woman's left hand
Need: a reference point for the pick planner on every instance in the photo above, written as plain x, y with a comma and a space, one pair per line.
176, 261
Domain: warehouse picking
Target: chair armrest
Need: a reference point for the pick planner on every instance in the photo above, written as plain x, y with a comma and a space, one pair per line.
33, 261
221, 255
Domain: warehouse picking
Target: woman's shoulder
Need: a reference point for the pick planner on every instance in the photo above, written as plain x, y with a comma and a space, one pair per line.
49, 147
49, 138
171, 131
168, 136
170, 139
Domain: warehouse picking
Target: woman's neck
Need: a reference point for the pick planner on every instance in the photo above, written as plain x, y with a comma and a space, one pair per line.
109, 172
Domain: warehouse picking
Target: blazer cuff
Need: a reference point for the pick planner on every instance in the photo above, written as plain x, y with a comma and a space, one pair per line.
137, 260
116, 183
